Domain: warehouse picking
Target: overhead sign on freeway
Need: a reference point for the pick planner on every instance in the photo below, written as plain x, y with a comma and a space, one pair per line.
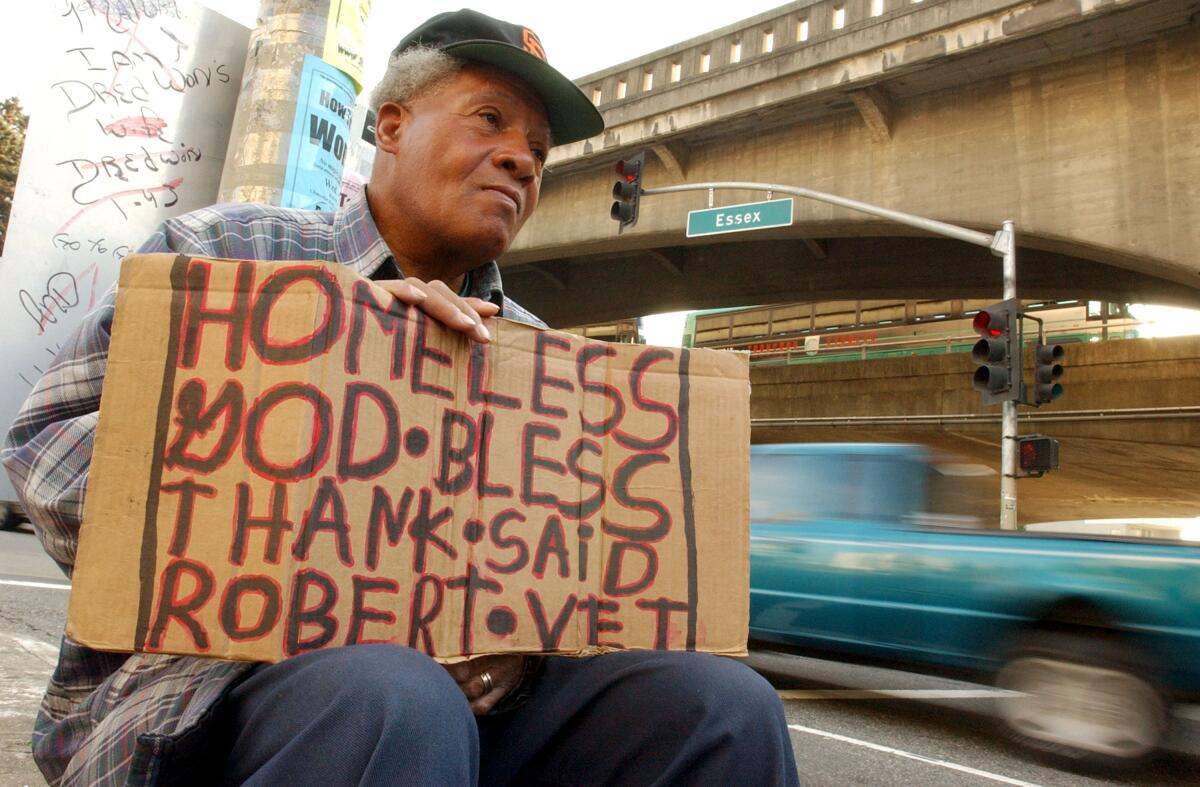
740, 218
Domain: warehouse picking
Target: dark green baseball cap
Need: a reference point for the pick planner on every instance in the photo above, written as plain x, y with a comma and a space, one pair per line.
479, 38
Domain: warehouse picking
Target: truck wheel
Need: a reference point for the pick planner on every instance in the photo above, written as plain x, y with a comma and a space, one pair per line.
1079, 700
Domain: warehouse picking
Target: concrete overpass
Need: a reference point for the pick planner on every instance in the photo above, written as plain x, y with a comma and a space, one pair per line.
1078, 119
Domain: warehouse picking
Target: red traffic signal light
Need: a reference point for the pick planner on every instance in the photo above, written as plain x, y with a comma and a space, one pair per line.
627, 190
1037, 454
988, 323
998, 352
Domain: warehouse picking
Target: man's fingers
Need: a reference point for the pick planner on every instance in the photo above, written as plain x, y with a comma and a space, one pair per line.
442, 304
461, 672
458, 313
503, 674
403, 290
503, 679
483, 308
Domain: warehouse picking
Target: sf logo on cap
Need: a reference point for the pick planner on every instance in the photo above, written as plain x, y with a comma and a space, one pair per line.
531, 43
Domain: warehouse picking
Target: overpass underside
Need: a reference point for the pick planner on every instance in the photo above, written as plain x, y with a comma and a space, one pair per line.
1084, 131
743, 272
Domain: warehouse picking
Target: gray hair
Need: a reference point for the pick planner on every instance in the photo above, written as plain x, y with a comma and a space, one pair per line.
413, 72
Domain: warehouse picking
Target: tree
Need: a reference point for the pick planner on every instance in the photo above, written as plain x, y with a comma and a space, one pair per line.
13, 122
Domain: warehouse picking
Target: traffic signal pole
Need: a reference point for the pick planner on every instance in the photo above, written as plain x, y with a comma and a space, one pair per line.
1006, 246
1002, 244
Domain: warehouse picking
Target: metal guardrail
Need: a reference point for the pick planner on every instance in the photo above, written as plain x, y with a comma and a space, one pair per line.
1128, 414
946, 341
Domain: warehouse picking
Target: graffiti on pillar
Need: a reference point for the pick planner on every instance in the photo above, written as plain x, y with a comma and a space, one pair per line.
129, 126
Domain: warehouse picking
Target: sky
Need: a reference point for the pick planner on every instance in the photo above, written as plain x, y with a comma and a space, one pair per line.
578, 38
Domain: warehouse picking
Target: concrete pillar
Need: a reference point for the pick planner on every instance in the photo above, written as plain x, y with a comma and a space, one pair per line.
256, 161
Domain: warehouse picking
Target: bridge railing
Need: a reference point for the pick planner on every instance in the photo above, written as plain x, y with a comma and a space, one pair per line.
780, 31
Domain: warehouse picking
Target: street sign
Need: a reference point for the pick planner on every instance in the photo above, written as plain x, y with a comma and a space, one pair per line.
740, 218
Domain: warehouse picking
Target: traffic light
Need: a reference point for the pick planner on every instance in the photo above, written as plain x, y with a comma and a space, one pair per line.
1037, 454
627, 190
999, 352
1047, 369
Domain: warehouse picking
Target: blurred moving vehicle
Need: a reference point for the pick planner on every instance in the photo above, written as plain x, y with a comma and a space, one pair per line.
12, 517
1095, 635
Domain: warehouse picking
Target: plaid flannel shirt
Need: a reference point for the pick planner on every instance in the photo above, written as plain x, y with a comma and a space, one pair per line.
113, 717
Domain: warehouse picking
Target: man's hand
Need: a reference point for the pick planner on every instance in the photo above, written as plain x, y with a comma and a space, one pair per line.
444, 305
503, 670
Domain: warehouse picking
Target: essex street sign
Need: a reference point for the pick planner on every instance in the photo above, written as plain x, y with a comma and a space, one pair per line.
740, 218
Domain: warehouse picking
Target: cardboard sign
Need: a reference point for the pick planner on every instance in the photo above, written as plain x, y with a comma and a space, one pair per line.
288, 458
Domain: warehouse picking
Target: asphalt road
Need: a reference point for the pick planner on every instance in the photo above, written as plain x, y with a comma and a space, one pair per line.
850, 725
33, 609
862, 725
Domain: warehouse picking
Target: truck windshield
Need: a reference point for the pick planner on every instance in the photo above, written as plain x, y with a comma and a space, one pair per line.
799, 487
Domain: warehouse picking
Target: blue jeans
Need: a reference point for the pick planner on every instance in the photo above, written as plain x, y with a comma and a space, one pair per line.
383, 714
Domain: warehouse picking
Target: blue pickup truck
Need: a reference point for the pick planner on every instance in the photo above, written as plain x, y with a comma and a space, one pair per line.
1094, 636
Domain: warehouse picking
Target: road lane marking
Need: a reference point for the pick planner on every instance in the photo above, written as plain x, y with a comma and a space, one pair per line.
919, 758
884, 694
23, 584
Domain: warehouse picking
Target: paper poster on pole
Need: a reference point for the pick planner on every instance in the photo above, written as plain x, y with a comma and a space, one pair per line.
360, 156
345, 37
130, 127
320, 138
289, 458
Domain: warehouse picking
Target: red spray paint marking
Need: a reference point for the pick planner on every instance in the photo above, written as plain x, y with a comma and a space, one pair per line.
136, 126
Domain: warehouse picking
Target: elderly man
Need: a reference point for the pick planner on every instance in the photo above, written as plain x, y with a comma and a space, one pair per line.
468, 110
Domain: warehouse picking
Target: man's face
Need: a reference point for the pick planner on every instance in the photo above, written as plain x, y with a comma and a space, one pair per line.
469, 158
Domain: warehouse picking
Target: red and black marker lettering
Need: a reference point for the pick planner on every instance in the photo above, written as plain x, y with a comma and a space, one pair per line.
182, 610
361, 614
275, 523
391, 318
267, 589
472, 584
320, 614
304, 348
501, 541
382, 519
616, 405
477, 369
662, 608
549, 634
420, 614
188, 491
421, 352
196, 314
614, 584
349, 467
459, 456
327, 512
307, 464
636, 374
541, 380
195, 421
